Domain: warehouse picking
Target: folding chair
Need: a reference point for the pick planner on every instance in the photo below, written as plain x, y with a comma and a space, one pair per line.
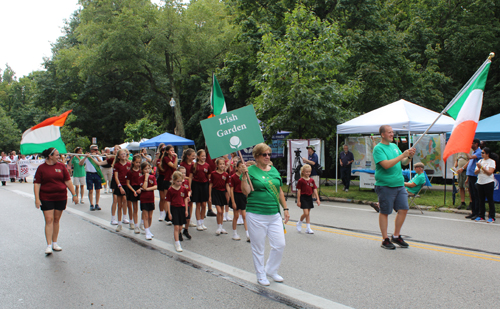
412, 200
428, 184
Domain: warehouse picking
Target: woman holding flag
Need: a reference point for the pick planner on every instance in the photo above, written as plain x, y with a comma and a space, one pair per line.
263, 213
50, 183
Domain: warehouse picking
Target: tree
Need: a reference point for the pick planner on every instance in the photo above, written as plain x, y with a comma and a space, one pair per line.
298, 87
10, 135
142, 128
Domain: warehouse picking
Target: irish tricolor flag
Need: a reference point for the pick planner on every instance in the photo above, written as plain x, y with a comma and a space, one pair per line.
217, 98
465, 108
44, 135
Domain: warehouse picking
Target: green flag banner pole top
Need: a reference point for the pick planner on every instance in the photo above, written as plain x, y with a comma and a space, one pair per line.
232, 131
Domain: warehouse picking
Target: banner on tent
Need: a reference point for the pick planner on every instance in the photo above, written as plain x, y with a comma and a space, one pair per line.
292, 159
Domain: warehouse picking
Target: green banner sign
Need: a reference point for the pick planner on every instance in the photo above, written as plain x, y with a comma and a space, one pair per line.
232, 131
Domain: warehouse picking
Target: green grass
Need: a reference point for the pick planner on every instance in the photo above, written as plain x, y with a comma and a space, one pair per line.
431, 198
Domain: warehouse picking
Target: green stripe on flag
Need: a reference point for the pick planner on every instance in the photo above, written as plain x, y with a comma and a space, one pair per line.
31, 148
217, 99
479, 83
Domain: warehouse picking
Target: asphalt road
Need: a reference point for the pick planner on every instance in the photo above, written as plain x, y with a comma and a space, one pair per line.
451, 262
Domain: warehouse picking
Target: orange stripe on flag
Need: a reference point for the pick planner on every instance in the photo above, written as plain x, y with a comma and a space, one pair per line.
57, 121
461, 139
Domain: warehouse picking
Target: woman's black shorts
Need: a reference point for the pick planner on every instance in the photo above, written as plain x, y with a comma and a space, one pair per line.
130, 194
159, 183
112, 185
199, 191
147, 206
51, 205
241, 201
117, 192
219, 198
178, 215
306, 201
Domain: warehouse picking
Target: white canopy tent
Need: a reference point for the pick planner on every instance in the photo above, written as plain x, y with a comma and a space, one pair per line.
402, 116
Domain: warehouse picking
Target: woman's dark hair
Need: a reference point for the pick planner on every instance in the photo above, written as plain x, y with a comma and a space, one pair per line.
136, 157
76, 149
487, 150
239, 163
47, 152
144, 165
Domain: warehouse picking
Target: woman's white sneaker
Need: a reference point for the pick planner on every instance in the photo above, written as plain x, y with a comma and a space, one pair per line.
276, 277
56, 247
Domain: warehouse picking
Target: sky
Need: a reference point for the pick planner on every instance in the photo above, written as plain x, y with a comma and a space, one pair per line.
28, 27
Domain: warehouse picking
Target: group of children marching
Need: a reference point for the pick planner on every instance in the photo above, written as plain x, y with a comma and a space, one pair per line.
193, 180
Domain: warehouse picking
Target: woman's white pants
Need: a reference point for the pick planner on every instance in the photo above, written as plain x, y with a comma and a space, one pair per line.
260, 226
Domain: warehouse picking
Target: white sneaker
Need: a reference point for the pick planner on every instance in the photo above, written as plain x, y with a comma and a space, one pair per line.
223, 231
149, 236
82, 202
141, 226
224, 218
56, 247
276, 277
299, 226
125, 221
240, 221
119, 228
48, 250
169, 222
204, 227
229, 218
309, 231
161, 218
114, 222
192, 224
137, 231
248, 239
152, 236
178, 248
263, 282
236, 237
131, 226
218, 232
199, 228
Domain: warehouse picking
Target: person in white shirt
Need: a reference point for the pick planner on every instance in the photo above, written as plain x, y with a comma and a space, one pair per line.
485, 185
93, 179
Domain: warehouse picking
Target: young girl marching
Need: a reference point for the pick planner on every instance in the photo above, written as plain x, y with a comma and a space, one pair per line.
120, 170
239, 201
185, 184
219, 186
199, 185
159, 180
227, 165
177, 199
168, 164
187, 162
306, 188
134, 190
147, 197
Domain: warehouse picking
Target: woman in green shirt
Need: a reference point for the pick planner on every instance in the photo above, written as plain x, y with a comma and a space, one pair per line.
263, 213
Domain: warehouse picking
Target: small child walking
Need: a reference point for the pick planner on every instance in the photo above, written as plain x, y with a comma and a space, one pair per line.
177, 199
147, 197
219, 186
306, 188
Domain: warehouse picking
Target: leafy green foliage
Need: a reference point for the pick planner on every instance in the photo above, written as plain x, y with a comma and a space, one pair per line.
10, 135
142, 128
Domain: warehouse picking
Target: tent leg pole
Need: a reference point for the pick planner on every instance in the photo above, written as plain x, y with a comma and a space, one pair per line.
444, 176
336, 162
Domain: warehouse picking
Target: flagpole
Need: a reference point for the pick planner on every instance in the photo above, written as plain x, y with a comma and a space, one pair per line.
246, 173
464, 88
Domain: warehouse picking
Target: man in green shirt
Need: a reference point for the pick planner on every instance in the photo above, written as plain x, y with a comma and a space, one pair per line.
416, 183
389, 185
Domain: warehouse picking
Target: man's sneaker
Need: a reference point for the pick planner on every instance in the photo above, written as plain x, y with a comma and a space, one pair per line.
223, 231
199, 228
387, 244
186, 233
399, 241
48, 250
178, 248
56, 247
92, 208
211, 213
479, 219
119, 228
236, 236
299, 226
490, 220
462, 205
309, 231
97, 207
346, 190
114, 222
136, 230
218, 232
469, 216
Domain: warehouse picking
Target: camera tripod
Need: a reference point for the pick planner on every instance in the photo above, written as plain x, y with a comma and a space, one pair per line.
297, 165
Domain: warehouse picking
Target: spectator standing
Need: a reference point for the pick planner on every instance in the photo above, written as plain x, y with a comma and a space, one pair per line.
472, 179
92, 177
460, 167
485, 185
4, 168
346, 159
78, 172
107, 170
313, 161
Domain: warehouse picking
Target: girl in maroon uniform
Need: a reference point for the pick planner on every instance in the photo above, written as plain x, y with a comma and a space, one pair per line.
120, 170
134, 190
148, 187
239, 201
187, 161
199, 185
306, 188
50, 183
168, 164
185, 184
159, 181
177, 199
219, 186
